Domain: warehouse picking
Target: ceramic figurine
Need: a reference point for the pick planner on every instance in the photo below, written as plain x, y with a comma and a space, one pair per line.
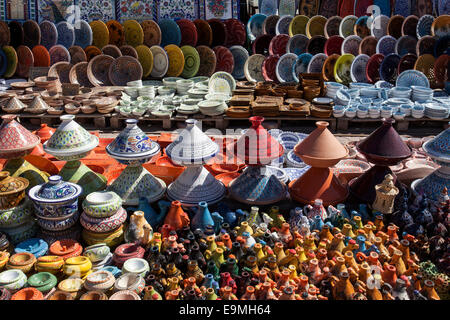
176, 217
139, 230
202, 217
385, 195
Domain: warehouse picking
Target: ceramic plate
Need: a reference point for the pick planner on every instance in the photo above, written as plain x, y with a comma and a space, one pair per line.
441, 26
128, 50
278, 44
83, 34
16, 33
358, 68
160, 62
41, 56
269, 25
97, 70
31, 33
287, 7
5, 34
297, 44
268, 7
253, 68
152, 33
255, 26
222, 82
346, 26
361, 27
112, 50
373, 68
100, 34
92, 51
58, 53
116, 33
424, 26
410, 78
78, 75
170, 32
405, 45
236, 32
425, 45
191, 61
389, 67
386, 45
261, 44
134, 35
145, 58
328, 67
11, 60
332, 26
208, 61
66, 34
25, 60
77, 54
316, 45
379, 26
283, 23
176, 60
225, 60
301, 65
219, 32
49, 34
368, 46
125, 69
269, 68
394, 27
298, 25
189, 34
316, 63
342, 68
240, 56
315, 26
204, 32
284, 67
409, 26
351, 45
333, 45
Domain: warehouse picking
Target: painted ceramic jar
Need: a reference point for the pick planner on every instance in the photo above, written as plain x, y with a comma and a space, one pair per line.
73, 286
125, 295
77, 266
13, 279
137, 266
99, 281
12, 190
97, 252
56, 198
130, 281
51, 264
70, 141
22, 232
28, 294
107, 224
16, 216
15, 140
42, 281
112, 239
23, 261
102, 204
35, 246
65, 248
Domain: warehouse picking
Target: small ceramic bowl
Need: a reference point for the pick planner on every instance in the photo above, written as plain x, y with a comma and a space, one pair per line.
58, 224
28, 294
43, 281
65, 248
23, 261
97, 252
94, 296
77, 266
99, 281
60, 295
125, 295
73, 286
101, 225
137, 266
13, 279
52, 264
130, 281
35, 246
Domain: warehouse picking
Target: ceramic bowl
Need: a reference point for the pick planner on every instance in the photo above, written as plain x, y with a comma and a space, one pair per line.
42, 281
130, 281
125, 295
102, 225
97, 252
35, 246
77, 266
73, 286
99, 281
58, 224
108, 260
16, 216
52, 264
65, 248
102, 204
13, 279
137, 266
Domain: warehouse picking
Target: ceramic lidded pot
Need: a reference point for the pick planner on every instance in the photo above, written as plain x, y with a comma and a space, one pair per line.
70, 141
12, 190
56, 198
15, 140
45, 132
102, 204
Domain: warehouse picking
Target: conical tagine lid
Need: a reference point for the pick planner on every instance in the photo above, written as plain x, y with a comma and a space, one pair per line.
70, 139
439, 146
15, 139
194, 185
192, 146
15, 103
321, 148
132, 143
257, 146
384, 142
38, 104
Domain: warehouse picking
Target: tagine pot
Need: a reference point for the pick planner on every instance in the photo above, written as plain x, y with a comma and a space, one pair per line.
77, 172
24, 169
45, 132
15, 140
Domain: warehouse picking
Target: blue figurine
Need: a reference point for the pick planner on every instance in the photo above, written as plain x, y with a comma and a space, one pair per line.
218, 220
202, 217
209, 282
241, 215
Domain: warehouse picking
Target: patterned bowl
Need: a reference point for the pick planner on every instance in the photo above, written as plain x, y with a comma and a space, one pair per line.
103, 224
102, 204
58, 224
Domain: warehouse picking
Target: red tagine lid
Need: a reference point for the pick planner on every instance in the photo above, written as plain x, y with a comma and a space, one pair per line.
14, 137
45, 132
257, 146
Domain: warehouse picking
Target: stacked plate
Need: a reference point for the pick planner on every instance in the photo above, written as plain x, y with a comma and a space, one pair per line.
212, 107
184, 85
369, 92
362, 111
421, 94
338, 111
386, 112
374, 112
332, 88
436, 111
147, 91
418, 111
171, 82
294, 161
133, 92
401, 92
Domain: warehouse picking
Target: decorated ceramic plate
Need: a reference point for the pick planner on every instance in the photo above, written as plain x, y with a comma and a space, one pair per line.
116, 33
160, 62
253, 68
112, 50
16, 33
407, 62
41, 56
78, 75
410, 78
208, 61
373, 68
83, 34
425, 64
31, 33
222, 82
333, 45
152, 33
134, 35
269, 68
379, 25
284, 67
331, 27
77, 54
100, 33
170, 32
145, 58
125, 69
98, 70
298, 25
328, 67
11, 61
409, 26
425, 45
191, 61
204, 32
283, 24
61, 70
92, 51
386, 45
361, 27
5, 35
128, 50
236, 33
394, 27
442, 46
58, 53
346, 26
278, 44
316, 26
389, 67
358, 68
255, 26
188, 32
405, 44
316, 45
316, 63
368, 46
261, 44
441, 68
297, 44
270, 24
66, 34
219, 32
25, 60
301, 65
268, 7
225, 60
240, 56
287, 7
443, 7
441, 26
424, 26
342, 68
49, 34
176, 60
351, 45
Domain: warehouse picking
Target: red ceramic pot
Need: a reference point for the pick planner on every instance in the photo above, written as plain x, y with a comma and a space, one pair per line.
28, 294
127, 251
66, 248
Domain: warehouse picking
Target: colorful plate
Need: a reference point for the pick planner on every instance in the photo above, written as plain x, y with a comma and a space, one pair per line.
116, 33
5, 36
333, 45
298, 25
424, 26
31, 33
240, 56
316, 63
283, 24
189, 34
66, 34
49, 34
269, 68
128, 50
208, 61
170, 32
125, 69
386, 45
297, 44
253, 68
405, 44
134, 35
347, 25
61, 70
100, 33
160, 62
236, 33
441, 26
389, 68
425, 45
278, 44
222, 82
16, 33
287, 7
425, 64
342, 69
78, 75
219, 32
328, 67
409, 26
176, 60
407, 62
58, 53
191, 61
255, 26
152, 33
77, 54
301, 65
358, 68
83, 34
410, 78
145, 58
92, 51
361, 28
225, 60
41, 56
316, 45
316, 26
373, 68
261, 44
394, 27
11, 59
25, 60
379, 25
368, 46
98, 70
204, 32
351, 45
270, 24
3, 62
112, 50
331, 27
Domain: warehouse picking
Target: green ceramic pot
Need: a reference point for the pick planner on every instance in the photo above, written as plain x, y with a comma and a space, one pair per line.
43, 281
102, 204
